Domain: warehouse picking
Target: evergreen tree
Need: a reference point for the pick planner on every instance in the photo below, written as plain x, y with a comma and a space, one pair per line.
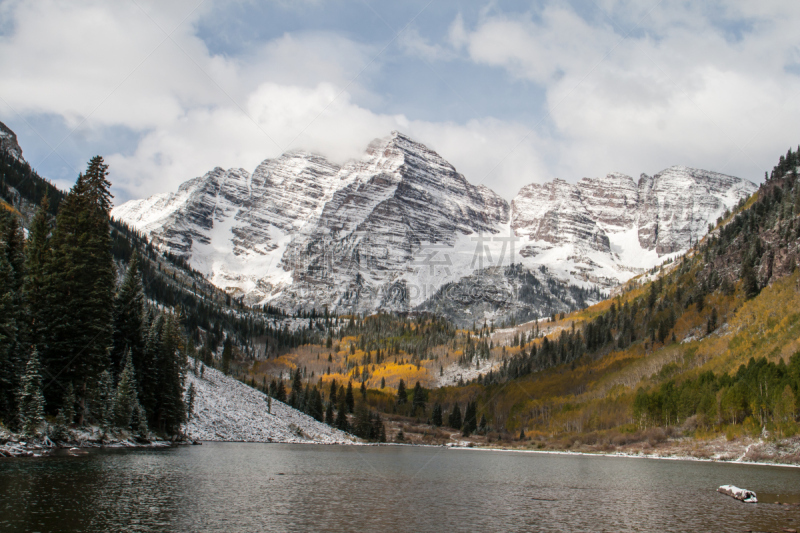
341, 415
471, 417
128, 318
363, 390
36, 259
31, 401
140, 422
9, 372
332, 392
329, 414
295, 396
104, 401
190, 397
170, 411
402, 397
436, 416
125, 399
68, 405
227, 354
316, 409
349, 399
418, 401
454, 421
280, 392
362, 425
749, 280
79, 284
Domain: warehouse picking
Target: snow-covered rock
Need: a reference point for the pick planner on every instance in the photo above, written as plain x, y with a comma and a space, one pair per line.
228, 410
8, 142
389, 230
747, 496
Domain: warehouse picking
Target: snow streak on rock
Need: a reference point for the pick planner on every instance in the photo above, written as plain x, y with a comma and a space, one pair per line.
228, 410
388, 231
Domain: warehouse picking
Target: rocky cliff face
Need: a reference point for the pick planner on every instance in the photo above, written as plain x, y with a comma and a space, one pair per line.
603, 230
8, 142
390, 230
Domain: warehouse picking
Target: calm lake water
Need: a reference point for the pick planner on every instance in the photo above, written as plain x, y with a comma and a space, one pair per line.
235, 487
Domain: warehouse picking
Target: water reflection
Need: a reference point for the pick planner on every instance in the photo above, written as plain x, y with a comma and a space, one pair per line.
271, 487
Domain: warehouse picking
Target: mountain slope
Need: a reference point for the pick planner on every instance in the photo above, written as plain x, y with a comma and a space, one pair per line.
227, 410
388, 231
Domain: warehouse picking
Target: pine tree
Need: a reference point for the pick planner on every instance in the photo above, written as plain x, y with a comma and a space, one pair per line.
140, 422
362, 425
295, 396
332, 393
280, 392
316, 410
436, 416
341, 415
129, 318
402, 397
329, 414
125, 400
227, 354
171, 410
79, 284
68, 405
103, 411
31, 401
418, 401
37, 251
190, 397
454, 421
9, 371
470, 423
363, 390
349, 399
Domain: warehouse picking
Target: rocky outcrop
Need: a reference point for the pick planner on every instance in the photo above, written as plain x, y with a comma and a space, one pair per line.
670, 210
391, 229
8, 142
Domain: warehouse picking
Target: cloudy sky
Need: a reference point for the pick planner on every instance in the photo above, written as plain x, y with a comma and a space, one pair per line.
509, 92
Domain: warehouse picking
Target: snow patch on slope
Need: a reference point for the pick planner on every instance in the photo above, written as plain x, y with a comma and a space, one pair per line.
228, 410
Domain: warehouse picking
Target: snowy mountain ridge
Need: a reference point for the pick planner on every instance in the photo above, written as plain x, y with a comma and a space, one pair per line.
389, 230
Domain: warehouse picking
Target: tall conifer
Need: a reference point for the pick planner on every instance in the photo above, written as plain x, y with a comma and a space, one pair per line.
79, 286
129, 318
31, 401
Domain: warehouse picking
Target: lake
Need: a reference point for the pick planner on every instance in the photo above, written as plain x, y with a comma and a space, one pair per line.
238, 487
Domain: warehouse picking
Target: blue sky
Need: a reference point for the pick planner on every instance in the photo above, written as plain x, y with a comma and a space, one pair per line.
509, 92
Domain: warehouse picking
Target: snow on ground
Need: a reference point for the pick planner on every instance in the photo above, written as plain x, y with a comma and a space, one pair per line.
452, 373
228, 410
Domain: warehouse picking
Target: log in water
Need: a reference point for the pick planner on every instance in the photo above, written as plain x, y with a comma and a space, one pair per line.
747, 496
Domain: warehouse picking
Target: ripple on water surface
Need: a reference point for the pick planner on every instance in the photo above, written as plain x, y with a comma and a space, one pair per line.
236, 487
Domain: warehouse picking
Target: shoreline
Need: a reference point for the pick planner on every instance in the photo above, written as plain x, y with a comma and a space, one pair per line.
17, 449
623, 455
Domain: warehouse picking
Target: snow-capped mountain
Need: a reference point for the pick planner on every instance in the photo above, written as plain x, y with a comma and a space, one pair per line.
389, 230
605, 230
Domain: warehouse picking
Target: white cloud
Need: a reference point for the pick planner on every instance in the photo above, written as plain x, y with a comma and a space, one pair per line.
195, 110
679, 90
415, 44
